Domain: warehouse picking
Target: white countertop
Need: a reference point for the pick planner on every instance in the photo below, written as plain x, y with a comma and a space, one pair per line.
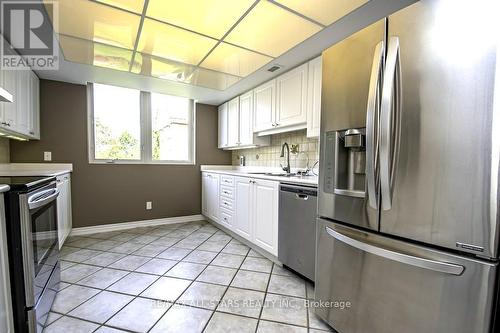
250, 172
34, 169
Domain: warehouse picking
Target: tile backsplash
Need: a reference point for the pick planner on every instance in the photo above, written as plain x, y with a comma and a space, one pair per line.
308, 151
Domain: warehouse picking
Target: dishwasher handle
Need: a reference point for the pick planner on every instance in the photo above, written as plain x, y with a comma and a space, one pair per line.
300, 191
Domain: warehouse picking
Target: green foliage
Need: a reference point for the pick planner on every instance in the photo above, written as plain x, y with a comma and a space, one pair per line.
109, 147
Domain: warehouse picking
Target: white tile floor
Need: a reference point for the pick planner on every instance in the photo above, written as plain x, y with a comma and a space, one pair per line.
189, 277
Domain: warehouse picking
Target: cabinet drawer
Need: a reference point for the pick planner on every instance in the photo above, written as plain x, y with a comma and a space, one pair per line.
227, 180
226, 217
226, 203
227, 191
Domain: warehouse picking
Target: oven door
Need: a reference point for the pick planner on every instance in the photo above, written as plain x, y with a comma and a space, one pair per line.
39, 241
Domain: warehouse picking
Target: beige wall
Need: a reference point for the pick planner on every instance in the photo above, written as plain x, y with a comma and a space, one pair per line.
4, 150
104, 194
270, 156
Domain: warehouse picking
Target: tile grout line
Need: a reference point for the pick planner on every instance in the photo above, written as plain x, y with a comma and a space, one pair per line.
157, 277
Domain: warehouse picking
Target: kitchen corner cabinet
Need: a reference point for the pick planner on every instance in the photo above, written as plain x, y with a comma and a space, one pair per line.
223, 122
64, 214
314, 98
248, 207
210, 196
236, 124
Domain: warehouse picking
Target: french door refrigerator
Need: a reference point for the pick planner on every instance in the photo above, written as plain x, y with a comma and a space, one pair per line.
408, 227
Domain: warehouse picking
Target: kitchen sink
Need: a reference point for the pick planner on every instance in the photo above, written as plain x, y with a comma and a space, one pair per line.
279, 174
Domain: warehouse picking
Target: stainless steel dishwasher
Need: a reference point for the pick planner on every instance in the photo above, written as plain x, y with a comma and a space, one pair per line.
297, 228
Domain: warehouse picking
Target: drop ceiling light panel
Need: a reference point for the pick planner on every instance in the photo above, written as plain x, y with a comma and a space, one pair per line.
323, 11
166, 41
179, 72
271, 30
211, 79
209, 17
135, 6
90, 53
234, 60
98, 23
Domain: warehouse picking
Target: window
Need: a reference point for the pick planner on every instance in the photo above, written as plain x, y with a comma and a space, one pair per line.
130, 126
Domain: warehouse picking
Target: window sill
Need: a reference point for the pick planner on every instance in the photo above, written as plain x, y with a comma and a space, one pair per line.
141, 163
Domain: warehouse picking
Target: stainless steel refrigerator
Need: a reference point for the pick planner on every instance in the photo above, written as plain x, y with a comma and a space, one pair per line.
408, 228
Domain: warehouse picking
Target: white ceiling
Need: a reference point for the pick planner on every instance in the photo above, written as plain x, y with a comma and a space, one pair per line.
365, 15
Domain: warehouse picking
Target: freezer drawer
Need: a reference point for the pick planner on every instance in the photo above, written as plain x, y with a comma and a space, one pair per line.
393, 286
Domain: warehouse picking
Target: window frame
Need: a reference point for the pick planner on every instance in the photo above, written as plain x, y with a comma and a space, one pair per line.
146, 155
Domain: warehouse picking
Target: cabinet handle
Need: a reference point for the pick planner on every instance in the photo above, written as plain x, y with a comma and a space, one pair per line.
32, 133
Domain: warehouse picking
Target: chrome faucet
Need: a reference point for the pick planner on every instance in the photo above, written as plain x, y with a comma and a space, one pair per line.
287, 167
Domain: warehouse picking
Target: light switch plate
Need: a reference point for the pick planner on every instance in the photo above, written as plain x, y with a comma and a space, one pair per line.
149, 205
47, 156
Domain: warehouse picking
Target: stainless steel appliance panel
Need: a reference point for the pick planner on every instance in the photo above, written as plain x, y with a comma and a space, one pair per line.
349, 93
297, 228
442, 186
393, 286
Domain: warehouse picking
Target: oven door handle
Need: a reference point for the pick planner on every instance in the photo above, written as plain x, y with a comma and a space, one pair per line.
42, 198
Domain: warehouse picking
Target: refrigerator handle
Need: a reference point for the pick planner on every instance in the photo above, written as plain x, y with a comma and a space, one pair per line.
433, 265
390, 110
371, 123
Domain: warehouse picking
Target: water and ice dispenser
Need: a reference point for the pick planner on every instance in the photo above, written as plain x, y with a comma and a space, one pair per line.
346, 163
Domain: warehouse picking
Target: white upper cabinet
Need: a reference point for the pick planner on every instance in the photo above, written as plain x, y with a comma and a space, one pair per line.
314, 98
223, 126
233, 121
21, 117
23, 102
34, 124
8, 110
291, 106
239, 124
245, 119
288, 103
264, 104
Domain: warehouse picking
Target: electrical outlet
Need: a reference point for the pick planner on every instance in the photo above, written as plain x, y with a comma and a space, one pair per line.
149, 205
47, 156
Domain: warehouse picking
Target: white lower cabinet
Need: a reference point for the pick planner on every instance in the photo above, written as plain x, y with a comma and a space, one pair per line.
210, 196
265, 216
243, 218
247, 206
64, 215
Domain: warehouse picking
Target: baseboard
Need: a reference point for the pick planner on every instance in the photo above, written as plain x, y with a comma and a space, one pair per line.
135, 224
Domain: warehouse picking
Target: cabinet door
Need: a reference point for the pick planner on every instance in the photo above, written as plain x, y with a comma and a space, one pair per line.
9, 83
223, 126
243, 209
68, 212
264, 105
213, 197
246, 119
233, 125
23, 103
265, 218
292, 97
205, 184
61, 211
314, 98
34, 121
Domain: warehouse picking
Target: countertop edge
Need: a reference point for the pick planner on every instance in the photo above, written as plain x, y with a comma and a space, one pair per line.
289, 180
